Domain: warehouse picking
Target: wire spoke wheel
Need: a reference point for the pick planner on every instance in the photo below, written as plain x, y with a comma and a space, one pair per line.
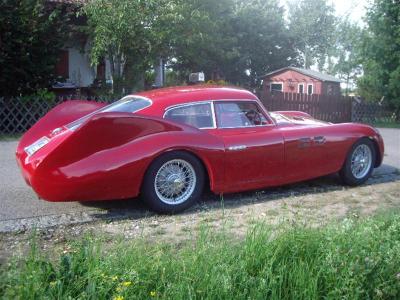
361, 161
175, 181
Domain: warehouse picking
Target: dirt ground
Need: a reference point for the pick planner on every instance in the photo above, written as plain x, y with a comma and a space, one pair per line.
313, 203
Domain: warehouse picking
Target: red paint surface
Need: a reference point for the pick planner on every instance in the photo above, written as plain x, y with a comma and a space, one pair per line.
107, 157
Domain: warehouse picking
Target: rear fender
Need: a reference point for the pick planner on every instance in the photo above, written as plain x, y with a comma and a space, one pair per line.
60, 115
105, 131
110, 153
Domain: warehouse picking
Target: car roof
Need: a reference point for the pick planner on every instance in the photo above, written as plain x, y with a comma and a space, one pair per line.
166, 97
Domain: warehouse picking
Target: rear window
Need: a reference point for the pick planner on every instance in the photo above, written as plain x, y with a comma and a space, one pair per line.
198, 115
128, 104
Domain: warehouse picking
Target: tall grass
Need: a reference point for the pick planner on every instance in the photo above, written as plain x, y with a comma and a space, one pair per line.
349, 260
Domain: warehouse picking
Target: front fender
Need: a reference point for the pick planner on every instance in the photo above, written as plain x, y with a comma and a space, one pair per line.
357, 131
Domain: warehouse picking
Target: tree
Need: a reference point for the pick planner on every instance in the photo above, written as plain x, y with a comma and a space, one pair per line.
203, 39
312, 24
381, 53
31, 35
263, 40
346, 52
127, 33
236, 39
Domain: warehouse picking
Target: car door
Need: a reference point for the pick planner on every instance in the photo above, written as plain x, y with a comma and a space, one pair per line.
312, 151
254, 148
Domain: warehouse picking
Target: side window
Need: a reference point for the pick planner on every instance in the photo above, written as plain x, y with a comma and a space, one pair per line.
239, 114
197, 115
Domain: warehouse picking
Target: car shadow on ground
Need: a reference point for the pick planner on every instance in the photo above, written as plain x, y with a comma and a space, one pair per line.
136, 209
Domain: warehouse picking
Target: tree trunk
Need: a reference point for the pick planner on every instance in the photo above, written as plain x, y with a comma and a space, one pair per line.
112, 71
307, 58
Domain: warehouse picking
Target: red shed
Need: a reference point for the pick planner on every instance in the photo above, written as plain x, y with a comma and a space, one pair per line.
297, 80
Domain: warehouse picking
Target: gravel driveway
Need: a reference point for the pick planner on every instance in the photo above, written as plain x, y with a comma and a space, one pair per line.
20, 208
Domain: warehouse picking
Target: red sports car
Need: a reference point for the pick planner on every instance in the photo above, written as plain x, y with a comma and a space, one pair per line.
167, 144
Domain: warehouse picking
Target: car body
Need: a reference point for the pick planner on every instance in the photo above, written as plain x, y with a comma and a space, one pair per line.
84, 150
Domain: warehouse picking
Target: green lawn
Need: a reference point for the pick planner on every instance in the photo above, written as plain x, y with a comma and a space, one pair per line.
9, 137
386, 125
352, 259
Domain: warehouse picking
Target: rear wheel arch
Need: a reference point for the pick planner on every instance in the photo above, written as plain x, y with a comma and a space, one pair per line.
206, 166
181, 189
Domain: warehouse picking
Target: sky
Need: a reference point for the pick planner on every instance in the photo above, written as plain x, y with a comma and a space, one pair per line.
354, 9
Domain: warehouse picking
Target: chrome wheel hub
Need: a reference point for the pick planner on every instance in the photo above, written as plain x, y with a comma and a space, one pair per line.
361, 161
175, 181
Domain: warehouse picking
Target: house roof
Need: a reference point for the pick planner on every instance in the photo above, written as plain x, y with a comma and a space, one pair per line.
307, 72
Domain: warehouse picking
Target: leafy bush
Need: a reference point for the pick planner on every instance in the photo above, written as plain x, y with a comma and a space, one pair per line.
41, 94
350, 260
32, 33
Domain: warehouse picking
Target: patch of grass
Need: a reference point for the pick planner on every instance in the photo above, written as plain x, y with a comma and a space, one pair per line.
160, 231
9, 137
272, 212
352, 259
386, 124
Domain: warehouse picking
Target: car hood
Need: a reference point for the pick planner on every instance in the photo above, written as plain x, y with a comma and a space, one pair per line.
296, 118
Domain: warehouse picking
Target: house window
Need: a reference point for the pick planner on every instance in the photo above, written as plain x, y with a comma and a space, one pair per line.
277, 86
310, 89
301, 88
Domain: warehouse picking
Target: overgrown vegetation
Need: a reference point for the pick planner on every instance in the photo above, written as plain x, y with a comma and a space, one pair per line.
233, 40
381, 53
31, 35
354, 259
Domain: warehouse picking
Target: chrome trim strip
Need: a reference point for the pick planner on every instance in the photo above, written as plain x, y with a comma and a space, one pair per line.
213, 114
237, 148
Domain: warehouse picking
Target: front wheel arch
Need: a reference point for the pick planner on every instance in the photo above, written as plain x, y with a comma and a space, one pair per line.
378, 154
346, 173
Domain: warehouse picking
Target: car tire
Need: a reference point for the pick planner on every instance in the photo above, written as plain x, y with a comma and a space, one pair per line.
173, 182
359, 163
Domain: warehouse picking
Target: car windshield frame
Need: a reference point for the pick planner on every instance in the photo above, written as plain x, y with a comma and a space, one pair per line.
261, 111
110, 108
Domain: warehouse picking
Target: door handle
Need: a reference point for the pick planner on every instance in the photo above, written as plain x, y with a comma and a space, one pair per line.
319, 140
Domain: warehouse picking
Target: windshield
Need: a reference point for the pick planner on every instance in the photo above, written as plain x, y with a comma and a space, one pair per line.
128, 104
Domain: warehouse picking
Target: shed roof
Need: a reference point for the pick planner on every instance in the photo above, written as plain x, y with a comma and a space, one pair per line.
311, 73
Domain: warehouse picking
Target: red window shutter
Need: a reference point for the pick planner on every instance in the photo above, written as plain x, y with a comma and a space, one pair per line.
101, 70
62, 68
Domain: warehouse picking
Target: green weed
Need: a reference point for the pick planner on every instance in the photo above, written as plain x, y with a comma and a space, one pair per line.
352, 259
